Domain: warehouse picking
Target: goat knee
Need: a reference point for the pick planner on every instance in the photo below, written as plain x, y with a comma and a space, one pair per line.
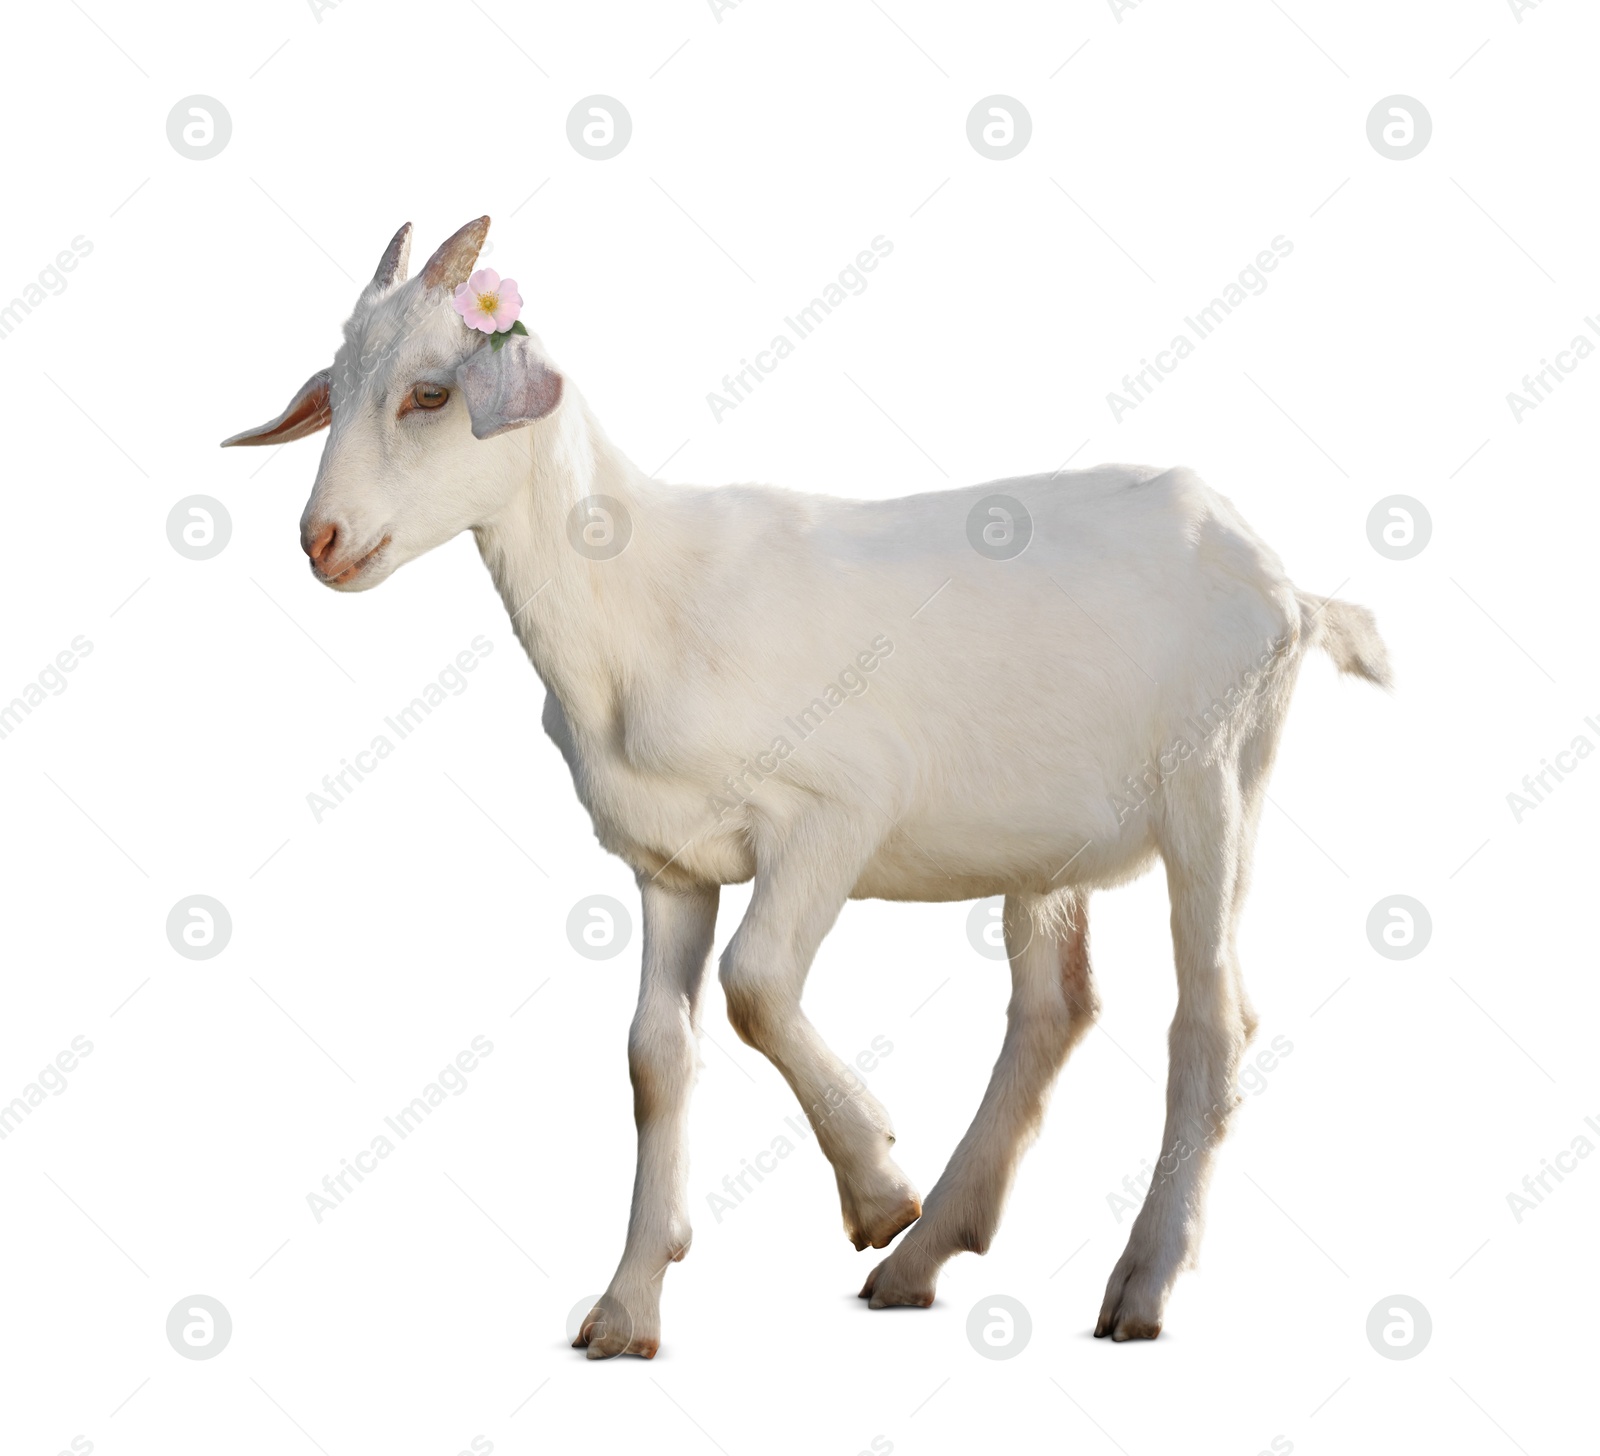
751, 1012
761, 1006
660, 1064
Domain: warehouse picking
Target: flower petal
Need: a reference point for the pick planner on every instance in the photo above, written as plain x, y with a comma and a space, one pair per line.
510, 305
485, 280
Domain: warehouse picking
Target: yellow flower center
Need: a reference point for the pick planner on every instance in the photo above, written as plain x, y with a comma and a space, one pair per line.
488, 302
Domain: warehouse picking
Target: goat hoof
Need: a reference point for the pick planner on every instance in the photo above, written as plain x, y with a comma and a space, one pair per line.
889, 1287
1131, 1311
871, 1220
1126, 1327
609, 1330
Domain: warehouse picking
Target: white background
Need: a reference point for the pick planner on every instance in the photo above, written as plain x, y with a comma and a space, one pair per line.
769, 147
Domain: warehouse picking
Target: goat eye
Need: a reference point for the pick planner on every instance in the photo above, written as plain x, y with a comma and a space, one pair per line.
429, 396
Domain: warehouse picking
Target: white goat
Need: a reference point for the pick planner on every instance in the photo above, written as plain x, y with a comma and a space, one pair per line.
847, 699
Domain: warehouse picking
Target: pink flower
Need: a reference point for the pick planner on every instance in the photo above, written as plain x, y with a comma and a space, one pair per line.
488, 302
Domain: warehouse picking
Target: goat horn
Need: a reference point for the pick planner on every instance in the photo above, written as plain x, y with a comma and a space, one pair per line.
452, 263
392, 266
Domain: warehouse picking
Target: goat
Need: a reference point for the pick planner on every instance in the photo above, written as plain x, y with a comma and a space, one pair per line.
844, 699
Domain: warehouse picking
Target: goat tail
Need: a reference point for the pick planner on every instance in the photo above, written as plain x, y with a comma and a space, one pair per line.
1348, 634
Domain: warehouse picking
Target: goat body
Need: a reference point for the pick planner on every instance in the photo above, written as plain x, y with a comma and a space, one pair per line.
1014, 709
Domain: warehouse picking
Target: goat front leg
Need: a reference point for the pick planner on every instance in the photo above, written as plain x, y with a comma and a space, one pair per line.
678, 930
1053, 1003
800, 887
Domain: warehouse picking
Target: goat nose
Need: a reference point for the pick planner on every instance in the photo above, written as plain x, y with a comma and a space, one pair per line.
320, 546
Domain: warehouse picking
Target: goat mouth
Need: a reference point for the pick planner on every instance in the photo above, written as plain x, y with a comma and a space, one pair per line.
352, 571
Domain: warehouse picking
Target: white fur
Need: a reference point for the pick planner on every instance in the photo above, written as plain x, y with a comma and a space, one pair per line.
1036, 728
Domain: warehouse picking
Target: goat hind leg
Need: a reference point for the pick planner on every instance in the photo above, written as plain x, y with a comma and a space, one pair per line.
1205, 855
1053, 1003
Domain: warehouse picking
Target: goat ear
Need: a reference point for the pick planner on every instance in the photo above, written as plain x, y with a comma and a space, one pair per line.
308, 412
392, 266
452, 263
508, 387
